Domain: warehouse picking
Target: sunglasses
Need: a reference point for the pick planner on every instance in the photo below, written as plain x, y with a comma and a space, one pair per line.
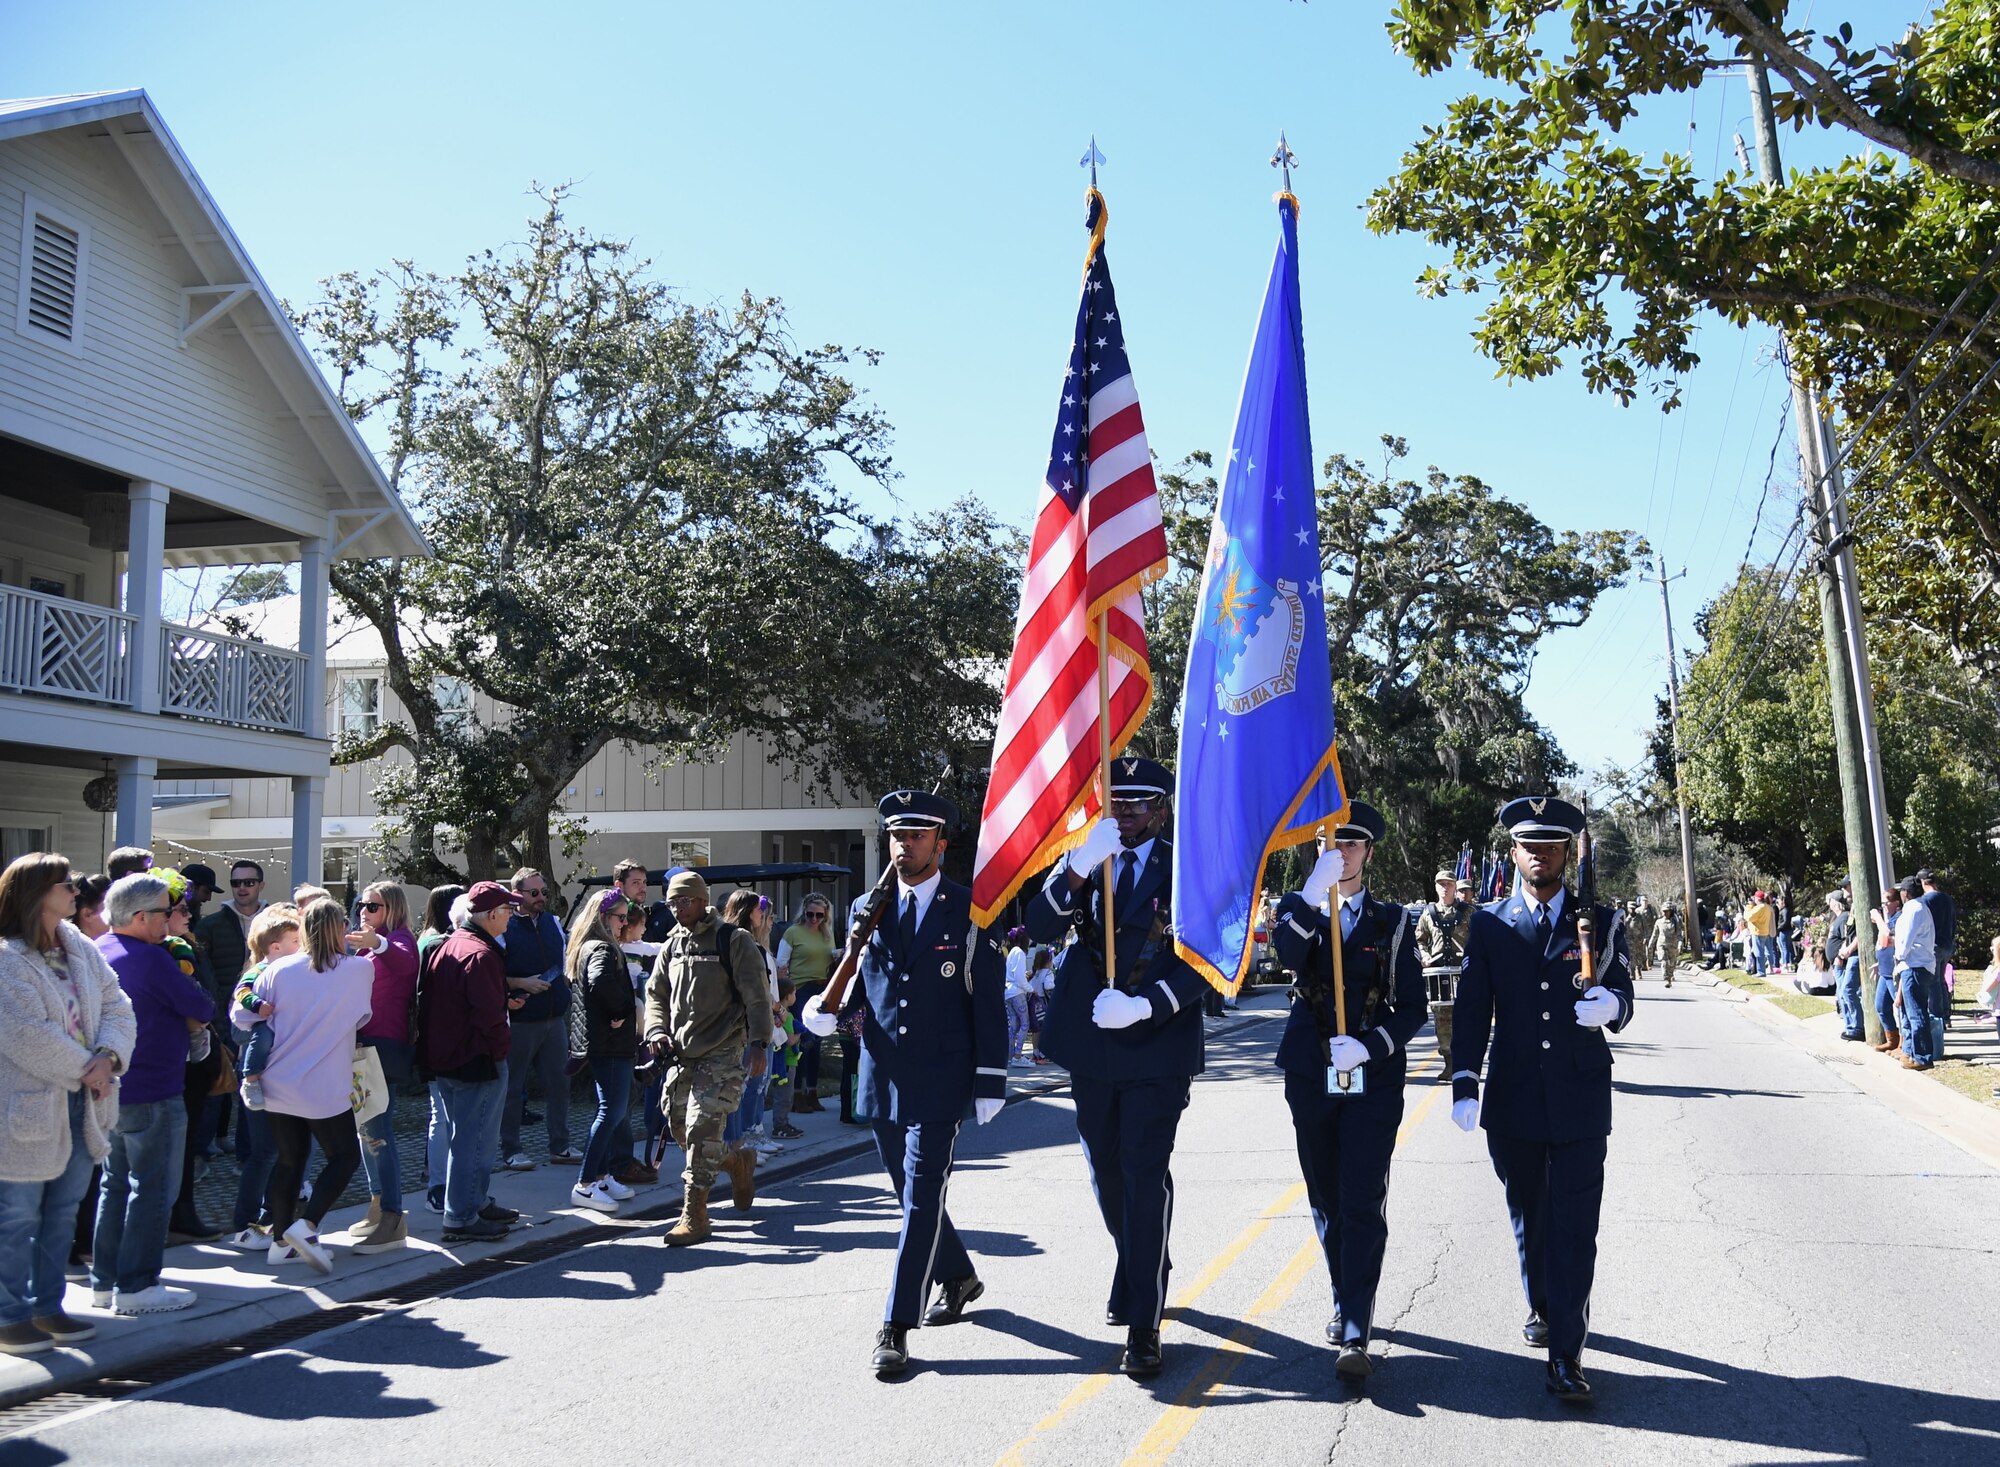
154, 911
815, 915
246, 881
373, 906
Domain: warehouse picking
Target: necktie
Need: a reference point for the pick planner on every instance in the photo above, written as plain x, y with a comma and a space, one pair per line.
1542, 925
906, 928
1127, 879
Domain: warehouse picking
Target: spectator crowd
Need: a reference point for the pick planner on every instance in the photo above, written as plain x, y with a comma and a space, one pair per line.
137, 1031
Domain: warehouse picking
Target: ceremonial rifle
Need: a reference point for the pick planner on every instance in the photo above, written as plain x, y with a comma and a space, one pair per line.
1586, 905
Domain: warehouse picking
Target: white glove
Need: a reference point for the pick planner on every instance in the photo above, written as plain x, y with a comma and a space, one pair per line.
1099, 846
1465, 1114
985, 1110
817, 1019
1115, 1010
1325, 872
1348, 1053
1597, 1007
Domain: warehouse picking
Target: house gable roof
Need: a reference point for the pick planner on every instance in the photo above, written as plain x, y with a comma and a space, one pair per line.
370, 520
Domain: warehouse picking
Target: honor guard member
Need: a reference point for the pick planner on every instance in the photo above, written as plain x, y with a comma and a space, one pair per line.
1131, 1048
1345, 1138
1441, 948
1547, 1107
933, 1053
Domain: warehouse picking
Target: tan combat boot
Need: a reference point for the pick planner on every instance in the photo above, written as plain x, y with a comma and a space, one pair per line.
692, 1226
741, 1164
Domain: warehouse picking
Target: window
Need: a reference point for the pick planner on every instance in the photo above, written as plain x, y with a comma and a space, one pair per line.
55, 252
19, 838
687, 852
806, 851
360, 706
454, 700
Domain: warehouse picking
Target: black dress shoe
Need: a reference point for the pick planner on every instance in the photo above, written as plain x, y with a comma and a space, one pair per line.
1335, 1327
494, 1212
1568, 1383
892, 1352
1354, 1362
1114, 1317
1536, 1332
1142, 1353
953, 1296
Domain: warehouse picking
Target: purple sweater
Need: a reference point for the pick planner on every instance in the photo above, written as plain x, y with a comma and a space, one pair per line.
163, 999
313, 1019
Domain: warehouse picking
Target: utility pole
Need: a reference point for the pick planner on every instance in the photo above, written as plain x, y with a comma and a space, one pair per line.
1691, 913
1863, 815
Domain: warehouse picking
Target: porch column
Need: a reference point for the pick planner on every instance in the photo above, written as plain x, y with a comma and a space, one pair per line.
312, 639
308, 805
134, 825
145, 563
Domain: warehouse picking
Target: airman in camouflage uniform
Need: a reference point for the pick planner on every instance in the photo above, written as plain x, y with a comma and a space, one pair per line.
1666, 943
1441, 948
698, 1004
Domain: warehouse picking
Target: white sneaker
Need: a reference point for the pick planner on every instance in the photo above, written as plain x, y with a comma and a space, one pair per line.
301, 1236
594, 1197
618, 1190
100, 1298
247, 1241
280, 1252
519, 1162
157, 1300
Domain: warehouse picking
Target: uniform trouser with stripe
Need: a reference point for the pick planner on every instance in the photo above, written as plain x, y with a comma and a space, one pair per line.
918, 1160
1555, 1190
1344, 1149
1127, 1128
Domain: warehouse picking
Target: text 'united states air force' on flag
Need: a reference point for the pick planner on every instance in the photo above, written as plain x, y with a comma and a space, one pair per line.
1258, 770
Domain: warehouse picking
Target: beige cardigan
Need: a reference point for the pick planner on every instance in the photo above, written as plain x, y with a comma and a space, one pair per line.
40, 1064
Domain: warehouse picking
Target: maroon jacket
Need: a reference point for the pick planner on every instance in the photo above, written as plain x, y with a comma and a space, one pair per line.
462, 1009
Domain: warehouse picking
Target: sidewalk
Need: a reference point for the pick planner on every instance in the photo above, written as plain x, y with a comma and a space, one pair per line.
238, 1293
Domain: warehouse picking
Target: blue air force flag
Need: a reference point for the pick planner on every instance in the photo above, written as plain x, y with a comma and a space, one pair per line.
1258, 770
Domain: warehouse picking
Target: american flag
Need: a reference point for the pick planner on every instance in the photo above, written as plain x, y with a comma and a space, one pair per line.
1098, 539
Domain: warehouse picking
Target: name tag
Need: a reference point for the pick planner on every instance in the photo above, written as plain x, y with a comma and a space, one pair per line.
1345, 1082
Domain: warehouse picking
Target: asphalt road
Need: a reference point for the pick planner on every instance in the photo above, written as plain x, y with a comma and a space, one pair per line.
1789, 1272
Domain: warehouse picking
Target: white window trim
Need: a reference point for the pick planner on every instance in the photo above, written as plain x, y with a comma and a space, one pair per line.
340, 702
31, 205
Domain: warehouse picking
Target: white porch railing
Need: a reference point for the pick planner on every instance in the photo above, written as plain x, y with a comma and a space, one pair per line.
71, 649
228, 680
68, 649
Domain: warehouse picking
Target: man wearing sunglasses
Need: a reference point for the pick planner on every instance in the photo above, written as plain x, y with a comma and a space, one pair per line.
1132, 1048
225, 932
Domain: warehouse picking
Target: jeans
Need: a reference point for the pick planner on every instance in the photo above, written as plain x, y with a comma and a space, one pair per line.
471, 1116
749, 1112
1784, 948
1847, 997
613, 1079
256, 1049
1916, 984
1765, 955
37, 1226
142, 1177
258, 1156
1017, 1024
540, 1047
378, 1136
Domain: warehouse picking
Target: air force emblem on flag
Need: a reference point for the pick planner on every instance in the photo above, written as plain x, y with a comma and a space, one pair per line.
1257, 626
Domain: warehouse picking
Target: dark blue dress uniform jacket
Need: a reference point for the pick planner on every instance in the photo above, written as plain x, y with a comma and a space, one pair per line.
932, 1038
1166, 1044
1548, 1077
1380, 953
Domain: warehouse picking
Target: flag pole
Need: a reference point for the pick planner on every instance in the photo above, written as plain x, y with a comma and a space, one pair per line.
1090, 159
1104, 786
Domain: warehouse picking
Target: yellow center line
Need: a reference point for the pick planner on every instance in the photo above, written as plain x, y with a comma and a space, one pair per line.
1167, 1433
1088, 1388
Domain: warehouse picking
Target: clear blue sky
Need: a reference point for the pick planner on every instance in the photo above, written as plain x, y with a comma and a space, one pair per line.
905, 178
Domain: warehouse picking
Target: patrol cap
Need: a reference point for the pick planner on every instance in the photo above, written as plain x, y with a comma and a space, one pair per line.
1445, 873
1541, 817
1465, 885
917, 810
1137, 778
1364, 822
